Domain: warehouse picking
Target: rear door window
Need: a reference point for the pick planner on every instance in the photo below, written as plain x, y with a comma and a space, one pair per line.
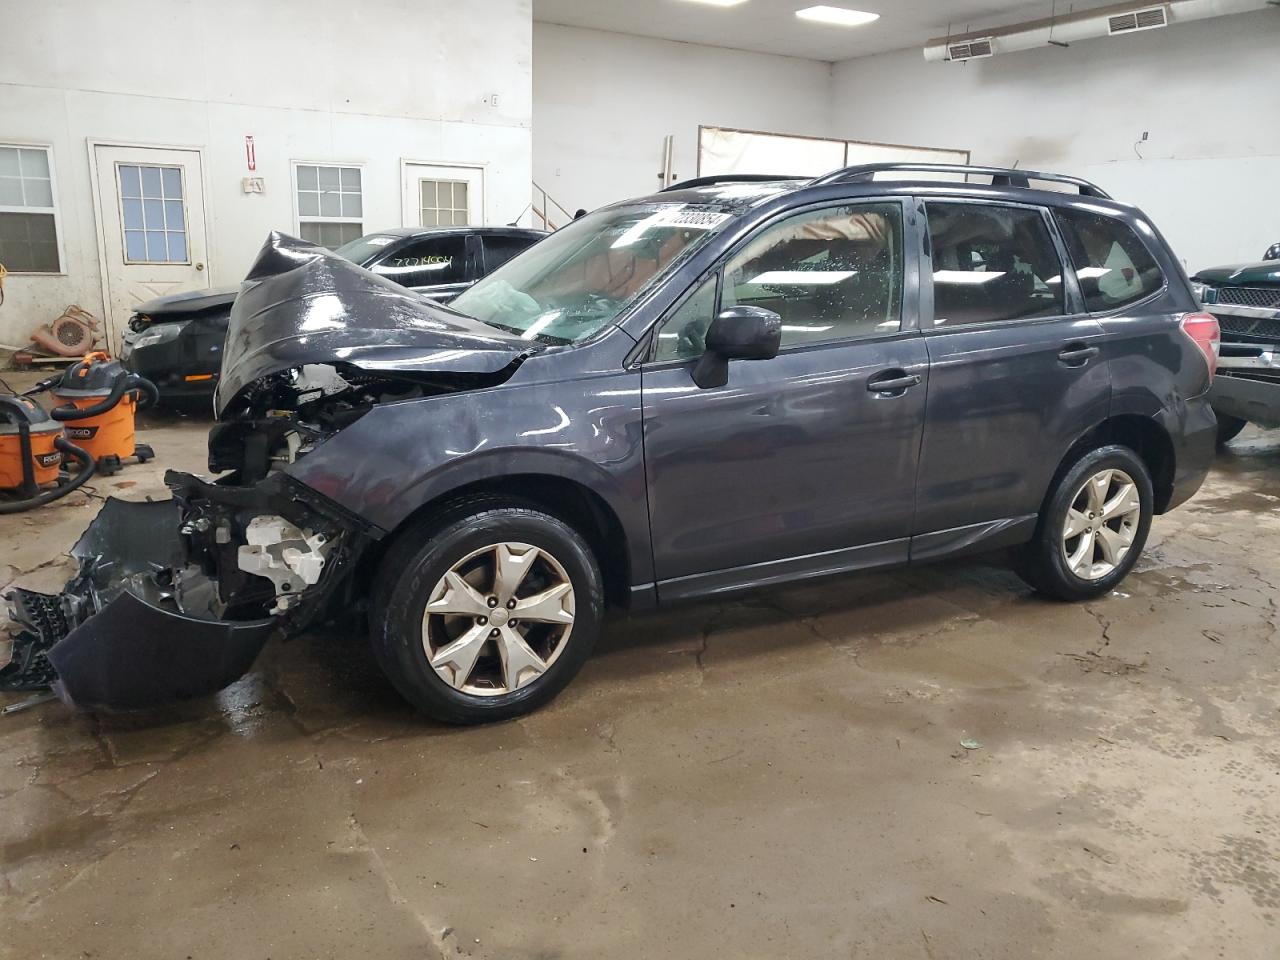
992, 263
1113, 265
427, 262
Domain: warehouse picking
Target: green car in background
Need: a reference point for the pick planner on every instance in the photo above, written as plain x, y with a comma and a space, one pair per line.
1246, 300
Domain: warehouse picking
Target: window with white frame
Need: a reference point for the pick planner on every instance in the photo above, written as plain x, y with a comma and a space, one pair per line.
28, 220
330, 205
443, 203
153, 213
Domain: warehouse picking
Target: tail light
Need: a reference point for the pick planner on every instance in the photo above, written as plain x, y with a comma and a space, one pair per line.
1203, 330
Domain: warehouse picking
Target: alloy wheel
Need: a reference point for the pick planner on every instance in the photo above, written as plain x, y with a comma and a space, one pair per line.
1101, 523
498, 619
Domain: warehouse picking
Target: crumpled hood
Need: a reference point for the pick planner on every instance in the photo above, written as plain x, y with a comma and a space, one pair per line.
1241, 274
178, 305
302, 304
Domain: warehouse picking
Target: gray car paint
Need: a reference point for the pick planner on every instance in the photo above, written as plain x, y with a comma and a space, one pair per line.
856, 481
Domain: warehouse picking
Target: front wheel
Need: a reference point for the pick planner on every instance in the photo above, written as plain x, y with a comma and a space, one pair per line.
1093, 527
488, 614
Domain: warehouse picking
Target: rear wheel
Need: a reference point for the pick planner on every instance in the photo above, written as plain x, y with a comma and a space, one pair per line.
1229, 427
1093, 527
488, 613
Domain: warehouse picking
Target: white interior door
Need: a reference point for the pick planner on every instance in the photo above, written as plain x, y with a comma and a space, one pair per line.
151, 213
442, 196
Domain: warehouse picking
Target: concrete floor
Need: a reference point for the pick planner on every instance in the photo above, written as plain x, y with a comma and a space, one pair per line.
780, 776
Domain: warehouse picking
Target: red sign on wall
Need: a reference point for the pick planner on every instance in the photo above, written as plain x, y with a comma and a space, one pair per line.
250, 156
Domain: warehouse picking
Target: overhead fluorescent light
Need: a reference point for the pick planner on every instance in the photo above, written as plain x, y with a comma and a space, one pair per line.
966, 276
804, 278
840, 16
718, 3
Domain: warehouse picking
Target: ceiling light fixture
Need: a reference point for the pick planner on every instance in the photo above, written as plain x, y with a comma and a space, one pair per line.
840, 16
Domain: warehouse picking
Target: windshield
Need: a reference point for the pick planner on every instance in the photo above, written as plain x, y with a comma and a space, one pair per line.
361, 250
580, 278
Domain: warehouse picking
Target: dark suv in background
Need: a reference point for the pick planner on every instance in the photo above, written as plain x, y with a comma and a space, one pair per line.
1245, 297
176, 341
723, 386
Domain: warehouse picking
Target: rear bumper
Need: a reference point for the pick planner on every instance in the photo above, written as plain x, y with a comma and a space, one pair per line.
1194, 430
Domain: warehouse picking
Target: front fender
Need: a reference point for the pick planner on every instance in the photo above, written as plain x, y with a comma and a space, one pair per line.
401, 456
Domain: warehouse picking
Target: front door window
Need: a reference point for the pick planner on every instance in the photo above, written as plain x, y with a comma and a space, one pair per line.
427, 263
831, 274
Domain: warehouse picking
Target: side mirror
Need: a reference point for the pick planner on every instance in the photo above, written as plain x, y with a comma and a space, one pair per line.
1273, 252
738, 333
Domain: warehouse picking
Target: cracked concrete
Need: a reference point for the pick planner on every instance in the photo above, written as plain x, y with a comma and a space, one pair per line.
775, 776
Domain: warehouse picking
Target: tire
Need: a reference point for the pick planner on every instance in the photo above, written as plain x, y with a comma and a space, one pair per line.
1229, 427
1046, 562
464, 541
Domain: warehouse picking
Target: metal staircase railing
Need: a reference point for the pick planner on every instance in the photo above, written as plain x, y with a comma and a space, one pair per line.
543, 212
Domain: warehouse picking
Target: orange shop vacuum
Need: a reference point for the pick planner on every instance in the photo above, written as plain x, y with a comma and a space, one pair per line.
96, 401
32, 449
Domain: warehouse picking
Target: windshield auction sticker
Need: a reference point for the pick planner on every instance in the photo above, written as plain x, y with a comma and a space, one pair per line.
689, 219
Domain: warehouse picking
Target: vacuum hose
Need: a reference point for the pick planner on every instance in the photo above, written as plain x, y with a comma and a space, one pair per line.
146, 391
87, 468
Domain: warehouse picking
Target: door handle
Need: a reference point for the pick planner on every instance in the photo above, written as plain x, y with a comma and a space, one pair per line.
199, 266
892, 381
1077, 354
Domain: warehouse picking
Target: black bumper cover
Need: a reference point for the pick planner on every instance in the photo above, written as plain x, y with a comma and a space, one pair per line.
124, 650
132, 654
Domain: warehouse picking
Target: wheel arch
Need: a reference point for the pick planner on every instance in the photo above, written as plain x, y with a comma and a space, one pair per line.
1141, 434
564, 498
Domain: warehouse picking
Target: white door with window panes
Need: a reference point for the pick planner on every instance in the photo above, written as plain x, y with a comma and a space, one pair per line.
442, 196
150, 206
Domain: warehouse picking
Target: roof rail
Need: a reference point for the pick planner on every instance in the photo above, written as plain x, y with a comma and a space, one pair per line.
729, 178
1000, 176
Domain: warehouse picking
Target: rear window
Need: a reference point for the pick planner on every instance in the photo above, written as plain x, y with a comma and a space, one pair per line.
1113, 265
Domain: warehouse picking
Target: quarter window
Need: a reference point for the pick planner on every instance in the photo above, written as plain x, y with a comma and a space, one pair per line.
683, 336
28, 221
1113, 266
330, 204
992, 263
830, 274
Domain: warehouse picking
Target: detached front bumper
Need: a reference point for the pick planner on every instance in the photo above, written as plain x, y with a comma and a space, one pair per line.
171, 600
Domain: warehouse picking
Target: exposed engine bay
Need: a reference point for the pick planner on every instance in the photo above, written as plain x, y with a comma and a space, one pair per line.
175, 598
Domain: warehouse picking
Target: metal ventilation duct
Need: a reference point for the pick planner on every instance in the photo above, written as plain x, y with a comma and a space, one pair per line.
1115, 20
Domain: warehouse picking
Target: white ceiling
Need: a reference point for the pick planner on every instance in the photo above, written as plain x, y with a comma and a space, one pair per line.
770, 26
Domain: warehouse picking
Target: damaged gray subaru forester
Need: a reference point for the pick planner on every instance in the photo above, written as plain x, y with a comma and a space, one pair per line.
730, 384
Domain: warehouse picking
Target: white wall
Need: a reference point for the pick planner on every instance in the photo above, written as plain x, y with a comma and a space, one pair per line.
1209, 175
602, 103
372, 83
